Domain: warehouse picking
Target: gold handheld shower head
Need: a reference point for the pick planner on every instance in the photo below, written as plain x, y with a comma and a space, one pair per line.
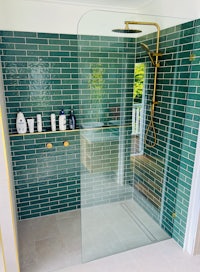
150, 54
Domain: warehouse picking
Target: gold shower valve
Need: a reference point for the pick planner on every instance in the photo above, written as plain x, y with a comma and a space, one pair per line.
192, 57
173, 215
155, 102
157, 54
49, 145
66, 143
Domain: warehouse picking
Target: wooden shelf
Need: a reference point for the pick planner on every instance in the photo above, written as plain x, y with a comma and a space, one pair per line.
43, 132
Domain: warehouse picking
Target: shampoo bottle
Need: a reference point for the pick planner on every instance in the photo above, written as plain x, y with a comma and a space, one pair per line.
72, 120
39, 122
53, 122
62, 120
21, 125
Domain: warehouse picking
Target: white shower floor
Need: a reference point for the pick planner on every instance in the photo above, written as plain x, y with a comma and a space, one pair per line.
53, 242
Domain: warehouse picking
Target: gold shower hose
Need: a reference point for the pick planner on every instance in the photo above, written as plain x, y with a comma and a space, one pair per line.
157, 64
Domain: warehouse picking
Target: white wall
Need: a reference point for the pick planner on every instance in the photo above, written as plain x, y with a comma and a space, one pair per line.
2, 266
192, 236
7, 196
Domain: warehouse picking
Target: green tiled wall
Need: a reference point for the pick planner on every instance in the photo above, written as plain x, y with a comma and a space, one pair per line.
40, 74
112, 59
46, 180
44, 73
176, 118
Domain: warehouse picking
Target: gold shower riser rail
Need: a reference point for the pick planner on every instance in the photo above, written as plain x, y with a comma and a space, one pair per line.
157, 64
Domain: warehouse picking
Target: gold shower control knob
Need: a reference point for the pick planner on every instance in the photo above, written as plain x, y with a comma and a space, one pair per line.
173, 215
66, 143
49, 145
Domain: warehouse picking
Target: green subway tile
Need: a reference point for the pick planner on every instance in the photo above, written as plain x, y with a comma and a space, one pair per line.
187, 25
42, 192
13, 40
69, 59
24, 34
28, 208
49, 59
7, 46
6, 33
49, 212
36, 41
48, 35
49, 47
59, 54
8, 58
14, 52
37, 53
58, 42
27, 59
68, 36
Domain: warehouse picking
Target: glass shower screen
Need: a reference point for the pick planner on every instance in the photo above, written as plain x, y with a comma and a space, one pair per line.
111, 219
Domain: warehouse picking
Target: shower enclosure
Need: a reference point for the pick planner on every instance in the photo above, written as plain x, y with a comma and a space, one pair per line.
122, 194
129, 189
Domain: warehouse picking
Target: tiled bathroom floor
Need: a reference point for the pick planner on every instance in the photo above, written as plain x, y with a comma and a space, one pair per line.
116, 227
54, 242
165, 256
50, 243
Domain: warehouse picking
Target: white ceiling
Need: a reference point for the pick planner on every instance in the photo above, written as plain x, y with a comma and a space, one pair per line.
173, 8
93, 17
125, 4
101, 16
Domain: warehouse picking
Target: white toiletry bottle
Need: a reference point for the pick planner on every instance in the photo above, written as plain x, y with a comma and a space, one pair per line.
21, 125
62, 120
39, 122
53, 122
30, 122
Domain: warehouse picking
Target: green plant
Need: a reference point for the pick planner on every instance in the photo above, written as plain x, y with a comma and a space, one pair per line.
96, 82
139, 75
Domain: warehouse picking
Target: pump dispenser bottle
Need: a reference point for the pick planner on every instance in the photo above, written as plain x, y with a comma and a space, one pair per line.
72, 120
21, 125
62, 120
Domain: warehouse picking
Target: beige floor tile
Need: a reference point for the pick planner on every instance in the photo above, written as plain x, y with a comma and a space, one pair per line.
51, 254
53, 242
165, 256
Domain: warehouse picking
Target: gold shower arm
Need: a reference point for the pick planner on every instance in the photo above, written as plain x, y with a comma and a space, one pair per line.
127, 23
